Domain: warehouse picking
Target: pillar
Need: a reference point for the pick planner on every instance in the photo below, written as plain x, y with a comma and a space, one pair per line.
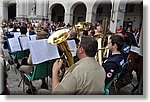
67, 18
46, 9
5, 11
39, 9
1, 12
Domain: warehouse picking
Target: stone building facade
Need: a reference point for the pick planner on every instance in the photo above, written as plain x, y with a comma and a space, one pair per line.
117, 12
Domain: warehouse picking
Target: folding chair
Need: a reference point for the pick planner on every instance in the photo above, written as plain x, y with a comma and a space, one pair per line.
40, 71
113, 81
19, 55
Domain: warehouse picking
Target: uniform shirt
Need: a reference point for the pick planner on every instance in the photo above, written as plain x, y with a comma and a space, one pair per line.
113, 65
125, 51
84, 77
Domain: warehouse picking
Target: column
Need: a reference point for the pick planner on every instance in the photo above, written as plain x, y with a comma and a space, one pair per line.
39, 9
113, 19
50, 16
20, 9
90, 14
88, 17
46, 3
67, 18
27, 8
117, 14
120, 18
5, 11
113, 22
1, 12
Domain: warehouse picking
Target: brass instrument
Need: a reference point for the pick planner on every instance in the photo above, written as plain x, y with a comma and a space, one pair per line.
102, 38
101, 48
82, 26
60, 38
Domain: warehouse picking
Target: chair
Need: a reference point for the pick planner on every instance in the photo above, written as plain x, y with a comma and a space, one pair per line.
19, 55
40, 71
113, 81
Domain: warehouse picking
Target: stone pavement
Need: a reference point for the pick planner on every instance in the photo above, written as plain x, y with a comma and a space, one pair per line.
14, 79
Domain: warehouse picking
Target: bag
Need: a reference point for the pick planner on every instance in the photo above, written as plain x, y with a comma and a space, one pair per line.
125, 77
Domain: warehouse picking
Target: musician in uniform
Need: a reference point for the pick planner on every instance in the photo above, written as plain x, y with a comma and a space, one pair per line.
84, 77
114, 64
29, 67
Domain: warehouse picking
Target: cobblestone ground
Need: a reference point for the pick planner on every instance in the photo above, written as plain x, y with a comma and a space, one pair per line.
14, 79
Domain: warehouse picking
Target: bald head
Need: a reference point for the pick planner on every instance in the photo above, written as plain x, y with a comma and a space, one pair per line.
41, 35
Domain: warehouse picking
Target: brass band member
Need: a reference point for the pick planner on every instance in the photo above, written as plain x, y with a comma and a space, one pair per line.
114, 64
30, 67
84, 77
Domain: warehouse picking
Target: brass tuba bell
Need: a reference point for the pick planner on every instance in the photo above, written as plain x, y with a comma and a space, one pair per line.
82, 26
60, 38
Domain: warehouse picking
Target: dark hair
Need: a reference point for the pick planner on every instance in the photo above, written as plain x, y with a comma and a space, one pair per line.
118, 40
90, 45
85, 32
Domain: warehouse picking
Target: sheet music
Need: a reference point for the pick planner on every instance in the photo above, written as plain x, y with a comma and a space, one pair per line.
41, 51
18, 30
137, 50
72, 46
14, 44
16, 34
52, 51
10, 29
1, 31
32, 37
38, 49
24, 43
27, 34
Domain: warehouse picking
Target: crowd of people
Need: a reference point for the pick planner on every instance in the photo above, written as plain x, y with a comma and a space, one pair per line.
86, 76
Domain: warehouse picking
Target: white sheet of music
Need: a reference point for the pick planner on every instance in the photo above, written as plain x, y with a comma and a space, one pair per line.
52, 51
32, 37
27, 34
16, 34
137, 50
72, 46
41, 51
10, 29
1, 31
24, 43
14, 44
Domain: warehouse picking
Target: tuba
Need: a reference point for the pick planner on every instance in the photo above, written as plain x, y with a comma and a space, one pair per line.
60, 38
101, 48
102, 39
82, 26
